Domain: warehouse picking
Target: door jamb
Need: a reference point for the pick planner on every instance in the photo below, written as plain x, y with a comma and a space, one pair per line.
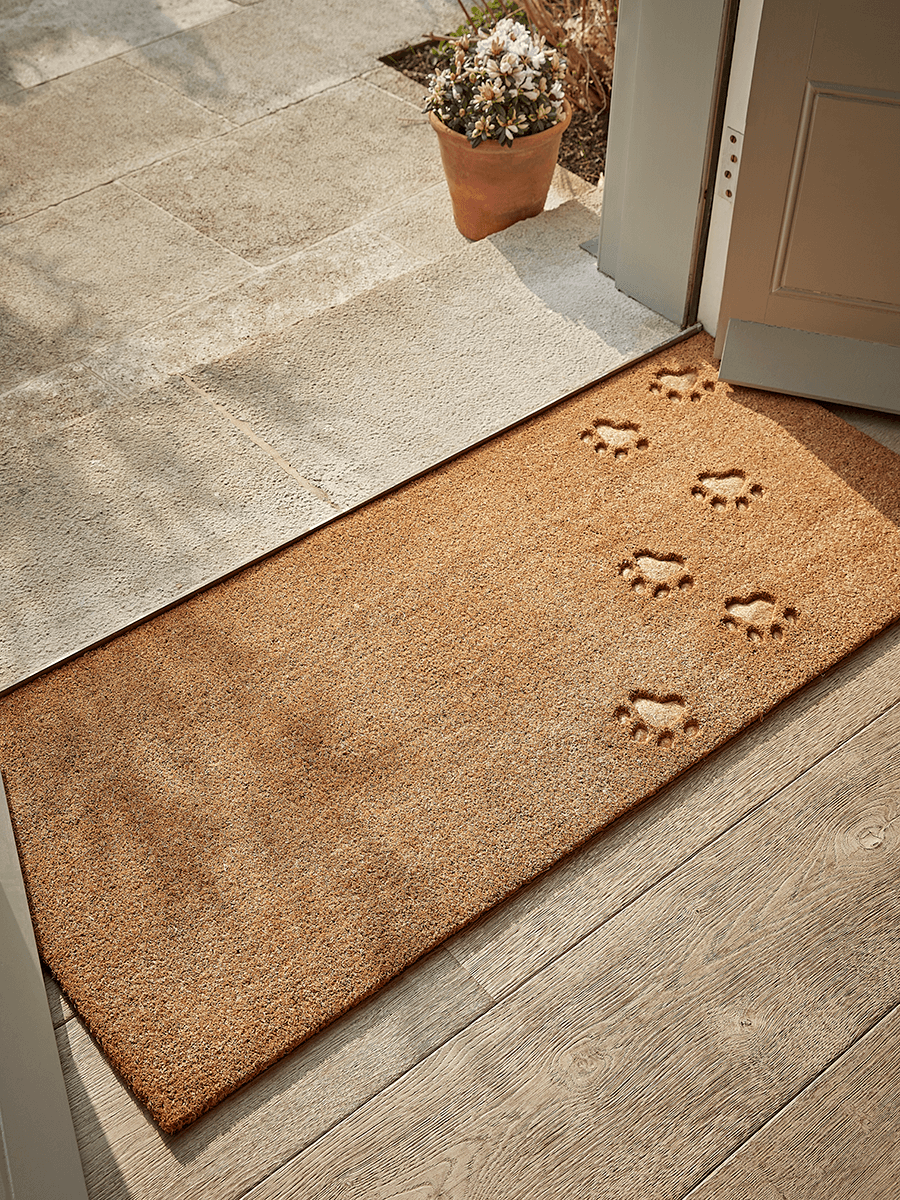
724, 59
669, 92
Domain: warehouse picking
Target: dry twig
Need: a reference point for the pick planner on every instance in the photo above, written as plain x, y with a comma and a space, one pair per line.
586, 30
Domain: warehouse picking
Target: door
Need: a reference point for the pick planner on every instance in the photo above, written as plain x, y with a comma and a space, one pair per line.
812, 275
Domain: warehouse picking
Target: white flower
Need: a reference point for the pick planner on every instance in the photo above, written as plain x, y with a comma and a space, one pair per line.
505, 64
483, 128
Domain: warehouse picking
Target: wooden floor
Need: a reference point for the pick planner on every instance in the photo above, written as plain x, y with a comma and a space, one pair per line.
704, 1002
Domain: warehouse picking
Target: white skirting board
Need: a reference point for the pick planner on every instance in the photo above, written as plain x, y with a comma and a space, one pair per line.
817, 366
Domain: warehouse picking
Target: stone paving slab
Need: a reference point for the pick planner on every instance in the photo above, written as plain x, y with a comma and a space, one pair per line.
44, 39
398, 85
87, 129
113, 514
548, 261
188, 353
423, 223
425, 364
392, 243
91, 269
50, 403
119, 508
281, 51
9, 89
268, 302
291, 179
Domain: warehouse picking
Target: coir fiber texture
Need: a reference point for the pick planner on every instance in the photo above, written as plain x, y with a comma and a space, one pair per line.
240, 818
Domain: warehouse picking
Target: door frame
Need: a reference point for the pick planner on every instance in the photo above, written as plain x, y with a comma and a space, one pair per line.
733, 126
38, 1148
673, 64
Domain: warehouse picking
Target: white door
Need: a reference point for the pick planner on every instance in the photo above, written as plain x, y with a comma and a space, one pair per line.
811, 294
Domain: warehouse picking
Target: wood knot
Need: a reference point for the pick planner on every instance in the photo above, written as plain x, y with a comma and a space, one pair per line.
871, 837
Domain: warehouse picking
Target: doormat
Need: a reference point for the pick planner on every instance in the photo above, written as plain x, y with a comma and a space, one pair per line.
244, 816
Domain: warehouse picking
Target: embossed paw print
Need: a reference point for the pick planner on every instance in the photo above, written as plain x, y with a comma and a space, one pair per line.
656, 719
681, 385
732, 489
755, 618
654, 576
617, 440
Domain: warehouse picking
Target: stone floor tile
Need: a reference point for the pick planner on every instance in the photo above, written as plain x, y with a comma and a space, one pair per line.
92, 269
565, 186
265, 304
245, 66
424, 221
44, 39
427, 363
75, 133
9, 89
115, 514
49, 403
278, 52
287, 181
398, 85
423, 224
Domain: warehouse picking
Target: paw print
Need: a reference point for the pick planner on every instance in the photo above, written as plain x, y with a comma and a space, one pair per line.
681, 385
617, 440
657, 576
754, 618
661, 720
722, 491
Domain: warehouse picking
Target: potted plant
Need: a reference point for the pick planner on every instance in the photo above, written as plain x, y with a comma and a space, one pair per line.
499, 110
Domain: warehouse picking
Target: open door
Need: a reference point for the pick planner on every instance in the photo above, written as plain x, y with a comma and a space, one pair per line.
811, 294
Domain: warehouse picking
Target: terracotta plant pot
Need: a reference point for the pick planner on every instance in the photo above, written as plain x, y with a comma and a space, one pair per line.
493, 186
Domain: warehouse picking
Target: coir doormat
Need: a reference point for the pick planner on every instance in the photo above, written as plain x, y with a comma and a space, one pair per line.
242, 817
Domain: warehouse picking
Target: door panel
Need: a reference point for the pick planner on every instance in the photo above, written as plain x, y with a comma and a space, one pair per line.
815, 239
855, 266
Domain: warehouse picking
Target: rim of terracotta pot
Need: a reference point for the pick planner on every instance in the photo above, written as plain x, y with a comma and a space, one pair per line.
520, 143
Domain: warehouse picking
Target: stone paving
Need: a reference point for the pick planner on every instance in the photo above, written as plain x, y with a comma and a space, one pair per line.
233, 301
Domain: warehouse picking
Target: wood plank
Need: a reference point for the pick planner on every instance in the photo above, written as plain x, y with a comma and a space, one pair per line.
60, 1009
251, 1133
638, 1061
543, 920
838, 1138
883, 427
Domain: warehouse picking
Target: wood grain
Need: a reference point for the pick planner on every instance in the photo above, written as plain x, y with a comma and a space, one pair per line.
251, 1133
60, 1009
638, 1061
838, 1138
543, 920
